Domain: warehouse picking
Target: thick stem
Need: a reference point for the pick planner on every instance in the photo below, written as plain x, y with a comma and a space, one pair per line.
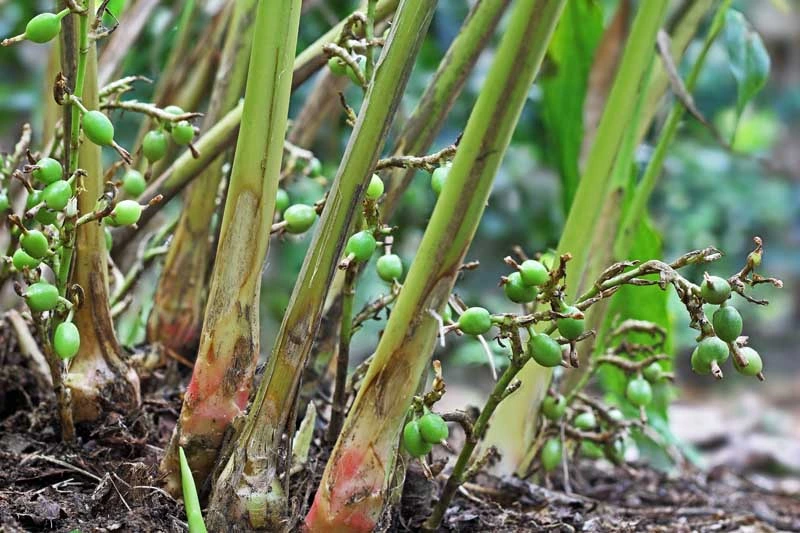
357, 478
338, 408
522, 407
250, 488
229, 342
99, 379
177, 315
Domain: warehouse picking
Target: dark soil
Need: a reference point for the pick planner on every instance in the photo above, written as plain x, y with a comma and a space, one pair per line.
108, 481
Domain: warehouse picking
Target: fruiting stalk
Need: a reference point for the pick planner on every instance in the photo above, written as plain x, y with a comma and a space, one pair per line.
354, 488
177, 315
229, 342
99, 379
251, 488
522, 407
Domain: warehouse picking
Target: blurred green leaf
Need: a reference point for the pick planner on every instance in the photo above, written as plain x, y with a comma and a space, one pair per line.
571, 52
749, 60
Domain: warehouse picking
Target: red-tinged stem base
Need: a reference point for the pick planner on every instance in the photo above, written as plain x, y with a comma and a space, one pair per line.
353, 501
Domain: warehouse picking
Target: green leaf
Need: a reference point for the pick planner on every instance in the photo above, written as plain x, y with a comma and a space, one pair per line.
190, 500
571, 52
749, 60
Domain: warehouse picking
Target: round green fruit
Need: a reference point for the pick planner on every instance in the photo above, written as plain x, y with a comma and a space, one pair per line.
711, 349
727, 323
715, 290
554, 407
44, 27
22, 260
299, 218
45, 217
174, 110
652, 372
518, 292
551, 454
433, 428
182, 133
56, 195
475, 321
389, 267
438, 178
315, 167
48, 170
639, 392
98, 128
125, 213
533, 273
35, 243
154, 145
41, 296
591, 450
375, 187
570, 328
66, 340
5, 203
133, 183
585, 421
361, 245
337, 66
413, 441
545, 350
281, 200
754, 363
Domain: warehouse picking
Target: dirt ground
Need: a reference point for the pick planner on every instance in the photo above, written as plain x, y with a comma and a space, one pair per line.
108, 481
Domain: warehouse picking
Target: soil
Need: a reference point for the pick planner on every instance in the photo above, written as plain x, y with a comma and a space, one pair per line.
108, 480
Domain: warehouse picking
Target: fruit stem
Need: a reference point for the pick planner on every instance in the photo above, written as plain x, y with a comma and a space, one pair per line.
497, 395
338, 405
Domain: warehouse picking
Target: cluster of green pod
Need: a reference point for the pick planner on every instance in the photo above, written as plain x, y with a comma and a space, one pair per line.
156, 142
420, 434
715, 348
554, 407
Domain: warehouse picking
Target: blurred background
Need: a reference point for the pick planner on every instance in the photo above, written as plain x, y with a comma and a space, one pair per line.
706, 196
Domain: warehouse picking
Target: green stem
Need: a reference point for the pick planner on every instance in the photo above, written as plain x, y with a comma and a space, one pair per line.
177, 314
338, 407
99, 378
354, 487
497, 395
252, 487
369, 34
645, 187
583, 216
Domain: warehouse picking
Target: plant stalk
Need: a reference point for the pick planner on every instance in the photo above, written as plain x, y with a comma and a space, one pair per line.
250, 488
99, 379
229, 342
522, 407
177, 316
357, 478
